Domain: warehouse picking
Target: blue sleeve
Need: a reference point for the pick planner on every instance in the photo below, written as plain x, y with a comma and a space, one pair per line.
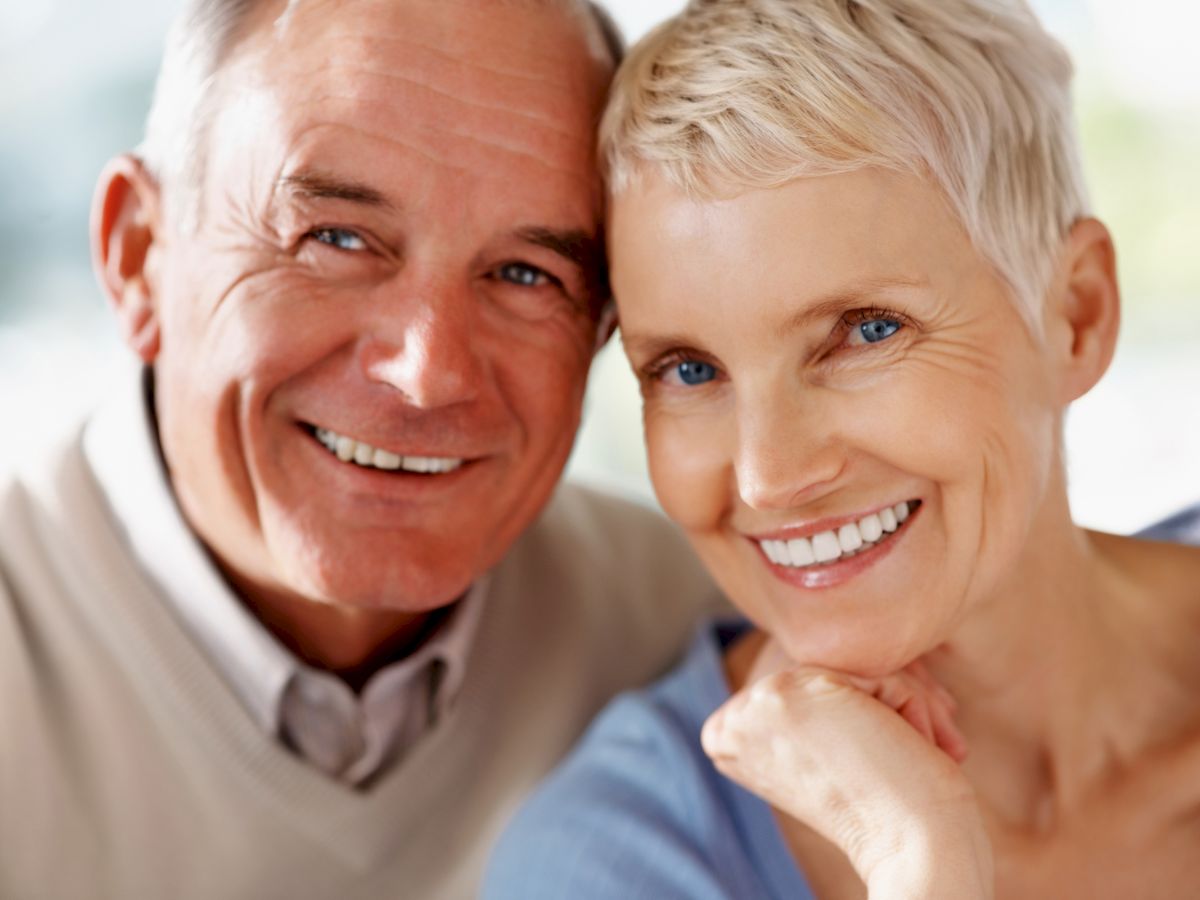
625, 818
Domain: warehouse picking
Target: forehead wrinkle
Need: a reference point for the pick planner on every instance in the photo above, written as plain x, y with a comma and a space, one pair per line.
499, 118
548, 123
515, 74
561, 55
389, 137
484, 161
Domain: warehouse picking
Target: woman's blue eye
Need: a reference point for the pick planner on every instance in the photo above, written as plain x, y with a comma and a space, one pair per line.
340, 238
693, 372
876, 330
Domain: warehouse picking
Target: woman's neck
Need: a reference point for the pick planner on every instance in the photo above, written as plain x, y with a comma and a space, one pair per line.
1081, 662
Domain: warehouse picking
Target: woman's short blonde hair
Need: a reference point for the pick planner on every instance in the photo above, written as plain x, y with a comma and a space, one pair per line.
973, 95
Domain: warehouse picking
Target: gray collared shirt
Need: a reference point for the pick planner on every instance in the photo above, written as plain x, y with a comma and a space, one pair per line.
349, 736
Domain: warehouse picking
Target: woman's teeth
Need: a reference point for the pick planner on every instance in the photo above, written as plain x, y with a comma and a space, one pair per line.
846, 541
349, 450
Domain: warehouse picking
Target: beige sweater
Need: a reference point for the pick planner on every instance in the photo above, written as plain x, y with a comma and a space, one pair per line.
128, 768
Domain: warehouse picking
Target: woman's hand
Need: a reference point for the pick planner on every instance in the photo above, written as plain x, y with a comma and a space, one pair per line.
869, 764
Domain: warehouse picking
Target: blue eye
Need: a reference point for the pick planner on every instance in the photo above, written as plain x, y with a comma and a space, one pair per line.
693, 372
523, 275
340, 238
875, 330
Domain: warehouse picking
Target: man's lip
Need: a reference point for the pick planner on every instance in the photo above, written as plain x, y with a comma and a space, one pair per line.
830, 523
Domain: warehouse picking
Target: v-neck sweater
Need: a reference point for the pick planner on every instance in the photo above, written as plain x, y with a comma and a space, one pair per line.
129, 768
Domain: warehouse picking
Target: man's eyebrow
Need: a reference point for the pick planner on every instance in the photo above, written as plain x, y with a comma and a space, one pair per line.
584, 249
313, 185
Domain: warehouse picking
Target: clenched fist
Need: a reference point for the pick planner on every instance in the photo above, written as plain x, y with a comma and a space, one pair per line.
869, 764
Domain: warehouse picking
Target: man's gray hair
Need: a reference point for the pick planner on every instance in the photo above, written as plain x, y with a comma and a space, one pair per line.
200, 41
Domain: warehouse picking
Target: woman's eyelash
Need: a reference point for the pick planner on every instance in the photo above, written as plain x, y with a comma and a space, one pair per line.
860, 316
669, 362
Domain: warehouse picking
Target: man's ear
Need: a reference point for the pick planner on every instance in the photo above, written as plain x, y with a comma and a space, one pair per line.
125, 224
1084, 309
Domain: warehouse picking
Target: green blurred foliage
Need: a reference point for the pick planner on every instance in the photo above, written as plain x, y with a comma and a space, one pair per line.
1143, 166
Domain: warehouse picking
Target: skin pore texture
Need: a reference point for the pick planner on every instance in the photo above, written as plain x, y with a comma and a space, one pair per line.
813, 353
399, 225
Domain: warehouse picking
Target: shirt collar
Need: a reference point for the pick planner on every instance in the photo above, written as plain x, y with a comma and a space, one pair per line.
121, 446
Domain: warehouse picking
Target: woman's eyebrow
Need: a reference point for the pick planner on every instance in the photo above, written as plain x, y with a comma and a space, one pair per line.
825, 306
651, 346
867, 291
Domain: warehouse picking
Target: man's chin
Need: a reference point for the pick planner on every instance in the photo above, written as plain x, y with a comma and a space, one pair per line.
413, 590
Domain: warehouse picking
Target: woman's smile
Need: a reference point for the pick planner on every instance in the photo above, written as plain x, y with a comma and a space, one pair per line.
822, 557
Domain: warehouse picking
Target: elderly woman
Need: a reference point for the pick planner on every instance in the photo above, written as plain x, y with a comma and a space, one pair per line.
859, 283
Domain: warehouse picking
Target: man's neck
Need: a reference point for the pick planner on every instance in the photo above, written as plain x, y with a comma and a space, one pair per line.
351, 643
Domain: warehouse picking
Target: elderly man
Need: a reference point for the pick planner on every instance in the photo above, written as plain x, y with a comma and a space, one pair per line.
297, 616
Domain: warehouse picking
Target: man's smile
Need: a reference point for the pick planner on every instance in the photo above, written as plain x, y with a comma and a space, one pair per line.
350, 450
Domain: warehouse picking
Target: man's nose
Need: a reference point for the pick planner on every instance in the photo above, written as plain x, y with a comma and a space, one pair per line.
787, 451
431, 354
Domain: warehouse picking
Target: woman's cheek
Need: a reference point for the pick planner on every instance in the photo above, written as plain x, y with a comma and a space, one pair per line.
689, 466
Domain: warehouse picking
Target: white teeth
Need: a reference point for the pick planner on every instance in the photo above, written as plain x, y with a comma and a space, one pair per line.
827, 546
849, 538
349, 450
385, 460
800, 552
871, 528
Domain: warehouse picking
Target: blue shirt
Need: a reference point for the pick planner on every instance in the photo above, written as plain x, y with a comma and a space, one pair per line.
637, 811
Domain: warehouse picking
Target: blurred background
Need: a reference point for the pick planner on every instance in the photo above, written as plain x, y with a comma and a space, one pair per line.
75, 82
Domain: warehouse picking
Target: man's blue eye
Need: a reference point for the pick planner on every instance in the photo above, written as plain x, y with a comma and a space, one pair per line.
876, 330
340, 238
693, 372
523, 275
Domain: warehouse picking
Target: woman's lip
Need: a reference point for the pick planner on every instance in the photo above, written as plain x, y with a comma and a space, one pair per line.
843, 569
832, 523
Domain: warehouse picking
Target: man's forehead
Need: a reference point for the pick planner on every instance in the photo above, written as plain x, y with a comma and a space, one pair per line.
554, 30
498, 58
477, 90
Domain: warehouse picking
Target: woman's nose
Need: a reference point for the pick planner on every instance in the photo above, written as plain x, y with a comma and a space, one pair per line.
787, 451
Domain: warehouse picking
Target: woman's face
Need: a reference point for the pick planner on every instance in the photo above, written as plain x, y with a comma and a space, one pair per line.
812, 357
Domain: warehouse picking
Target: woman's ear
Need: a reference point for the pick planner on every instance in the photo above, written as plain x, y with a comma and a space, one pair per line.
125, 224
1084, 309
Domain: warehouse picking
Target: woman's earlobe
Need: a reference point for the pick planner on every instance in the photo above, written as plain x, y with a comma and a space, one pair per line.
125, 225
1088, 307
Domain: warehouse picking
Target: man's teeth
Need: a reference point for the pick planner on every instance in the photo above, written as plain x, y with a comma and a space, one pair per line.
846, 541
349, 450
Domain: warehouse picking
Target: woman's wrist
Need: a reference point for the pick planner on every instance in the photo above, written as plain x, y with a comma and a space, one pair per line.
950, 862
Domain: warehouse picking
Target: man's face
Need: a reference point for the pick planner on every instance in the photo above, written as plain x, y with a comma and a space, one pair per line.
374, 347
